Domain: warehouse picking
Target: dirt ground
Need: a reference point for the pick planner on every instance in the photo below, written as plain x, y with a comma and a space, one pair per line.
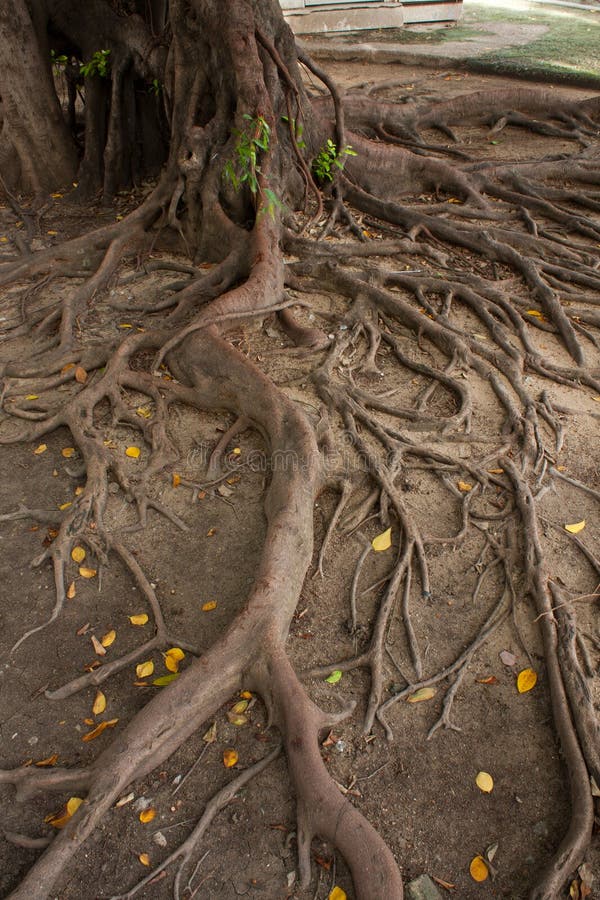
420, 793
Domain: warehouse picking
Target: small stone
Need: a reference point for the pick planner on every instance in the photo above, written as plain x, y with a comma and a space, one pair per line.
422, 888
159, 839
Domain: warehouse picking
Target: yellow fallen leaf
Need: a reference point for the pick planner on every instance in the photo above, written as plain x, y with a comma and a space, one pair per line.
67, 367
240, 707
133, 452
60, 819
211, 531
108, 638
49, 761
125, 324
144, 859
87, 573
576, 527
425, 693
526, 680
99, 704
176, 479
535, 313
144, 411
236, 719
236, 451
143, 670
92, 735
484, 782
41, 449
337, 894
211, 735
98, 646
56, 196
66, 505
140, 619
147, 815
3, 240
171, 664
495, 471
78, 554
32, 397
67, 452
246, 695
52, 232
478, 869
597, 399
176, 652
79, 490
230, 757
464, 486
206, 607
383, 541
88, 722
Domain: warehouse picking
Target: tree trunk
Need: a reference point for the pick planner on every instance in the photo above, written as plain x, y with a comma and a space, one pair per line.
33, 121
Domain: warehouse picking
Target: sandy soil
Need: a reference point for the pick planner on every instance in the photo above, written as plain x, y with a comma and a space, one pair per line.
420, 794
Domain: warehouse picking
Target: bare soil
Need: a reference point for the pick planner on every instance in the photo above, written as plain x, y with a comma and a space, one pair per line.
420, 794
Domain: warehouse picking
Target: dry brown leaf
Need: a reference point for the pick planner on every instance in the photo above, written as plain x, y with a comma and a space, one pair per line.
81, 375
97, 731
71, 591
49, 761
211, 735
99, 649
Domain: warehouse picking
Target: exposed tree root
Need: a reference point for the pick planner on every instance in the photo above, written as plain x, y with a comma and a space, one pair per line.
465, 291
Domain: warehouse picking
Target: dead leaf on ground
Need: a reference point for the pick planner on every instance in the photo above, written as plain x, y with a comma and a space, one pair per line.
478, 869
49, 761
425, 693
143, 670
139, 619
489, 679
78, 554
164, 680
144, 859
60, 819
97, 731
230, 757
68, 452
98, 646
109, 638
99, 703
81, 375
211, 735
576, 527
210, 605
71, 591
484, 782
383, 541
41, 448
337, 894
147, 815
133, 452
85, 572
335, 676
464, 486
526, 680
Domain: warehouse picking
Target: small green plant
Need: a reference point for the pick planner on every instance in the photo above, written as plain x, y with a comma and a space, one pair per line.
245, 169
297, 129
155, 87
328, 159
99, 65
59, 61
